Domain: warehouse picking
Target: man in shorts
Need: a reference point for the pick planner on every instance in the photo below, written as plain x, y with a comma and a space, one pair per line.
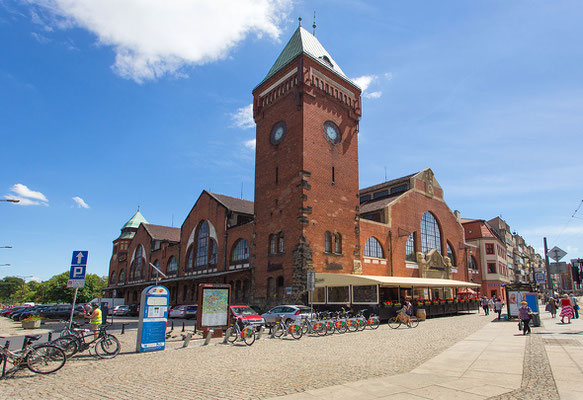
95, 319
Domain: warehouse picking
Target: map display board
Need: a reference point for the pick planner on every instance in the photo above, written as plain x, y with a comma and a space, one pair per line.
213, 306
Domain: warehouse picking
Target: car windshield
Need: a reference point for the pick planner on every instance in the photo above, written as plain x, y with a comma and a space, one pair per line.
243, 311
192, 308
305, 310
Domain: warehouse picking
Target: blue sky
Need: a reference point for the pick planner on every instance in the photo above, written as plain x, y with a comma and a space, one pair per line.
130, 103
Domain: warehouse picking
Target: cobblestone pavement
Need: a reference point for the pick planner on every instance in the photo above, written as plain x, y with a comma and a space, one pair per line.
270, 367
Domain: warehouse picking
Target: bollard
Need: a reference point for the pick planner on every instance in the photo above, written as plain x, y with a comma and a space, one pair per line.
187, 340
172, 327
50, 336
182, 326
272, 332
227, 335
7, 345
208, 337
260, 332
123, 329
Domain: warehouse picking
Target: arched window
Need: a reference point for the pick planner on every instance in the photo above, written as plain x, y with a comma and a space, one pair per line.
122, 276
280, 239
155, 273
240, 251
373, 248
172, 267
138, 267
279, 289
327, 242
270, 287
430, 233
189, 258
410, 248
202, 244
472, 264
451, 255
338, 243
212, 252
272, 244
112, 278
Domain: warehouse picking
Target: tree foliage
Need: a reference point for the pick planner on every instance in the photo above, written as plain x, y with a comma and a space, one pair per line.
54, 290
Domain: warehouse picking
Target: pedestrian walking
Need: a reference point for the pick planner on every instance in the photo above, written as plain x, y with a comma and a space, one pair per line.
485, 305
498, 304
524, 313
566, 309
574, 305
552, 307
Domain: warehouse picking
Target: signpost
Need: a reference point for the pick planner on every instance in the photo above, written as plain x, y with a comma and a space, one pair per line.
77, 276
559, 268
310, 286
556, 253
153, 319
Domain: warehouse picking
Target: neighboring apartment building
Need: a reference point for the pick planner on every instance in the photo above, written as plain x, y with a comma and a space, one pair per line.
489, 254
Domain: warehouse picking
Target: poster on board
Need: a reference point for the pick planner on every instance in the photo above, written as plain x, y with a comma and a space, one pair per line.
214, 311
514, 299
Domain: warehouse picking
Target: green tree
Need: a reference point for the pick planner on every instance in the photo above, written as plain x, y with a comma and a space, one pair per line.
8, 287
56, 290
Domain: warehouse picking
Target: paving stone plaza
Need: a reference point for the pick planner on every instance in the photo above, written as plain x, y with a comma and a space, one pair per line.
465, 357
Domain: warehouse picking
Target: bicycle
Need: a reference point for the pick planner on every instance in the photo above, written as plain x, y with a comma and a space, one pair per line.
371, 322
247, 334
314, 325
106, 345
281, 328
396, 321
40, 359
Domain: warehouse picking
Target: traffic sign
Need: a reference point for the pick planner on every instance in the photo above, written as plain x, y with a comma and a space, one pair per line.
78, 267
311, 280
556, 253
79, 258
539, 277
558, 268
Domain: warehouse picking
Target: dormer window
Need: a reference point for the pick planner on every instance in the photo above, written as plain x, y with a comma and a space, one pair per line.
326, 61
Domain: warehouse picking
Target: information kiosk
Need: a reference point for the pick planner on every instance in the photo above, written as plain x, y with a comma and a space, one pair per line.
153, 319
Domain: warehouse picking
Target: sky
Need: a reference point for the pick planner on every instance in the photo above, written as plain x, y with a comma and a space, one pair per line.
110, 105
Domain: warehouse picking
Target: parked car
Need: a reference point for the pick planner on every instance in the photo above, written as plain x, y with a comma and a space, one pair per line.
178, 312
62, 311
247, 313
190, 312
134, 310
7, 312
289, 313
29, 312
121, 310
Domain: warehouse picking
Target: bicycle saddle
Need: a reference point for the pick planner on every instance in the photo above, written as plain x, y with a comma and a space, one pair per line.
32, 338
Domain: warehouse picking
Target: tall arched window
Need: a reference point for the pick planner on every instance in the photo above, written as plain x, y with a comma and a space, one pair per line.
138, 264
272, 244
451, 254
155, 273
430, 233
472, 264
327, 242
112, 278
270, 287
410, 248
202, 244
189, 258
280, 240
122, 276
373, 248
172, 267
240, 251
338, 243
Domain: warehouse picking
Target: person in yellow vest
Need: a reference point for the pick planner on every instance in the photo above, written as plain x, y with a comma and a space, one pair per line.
95, 319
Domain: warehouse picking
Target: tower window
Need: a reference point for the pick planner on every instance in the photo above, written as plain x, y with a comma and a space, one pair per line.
333, 177
276, 175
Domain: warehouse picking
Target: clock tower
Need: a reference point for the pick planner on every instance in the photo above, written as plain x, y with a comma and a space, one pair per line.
306, 171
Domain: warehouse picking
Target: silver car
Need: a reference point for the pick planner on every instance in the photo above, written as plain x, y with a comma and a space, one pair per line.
288, 313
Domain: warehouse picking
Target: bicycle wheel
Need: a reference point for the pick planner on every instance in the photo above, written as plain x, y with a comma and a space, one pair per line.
361, 323
352, 324
373, 322
329, 327
249, 339
305, 328
68, 344
278, 331
321, 331
295, 330
394, 323
45, 358
233, 336
107, 347
340, 327
414, 322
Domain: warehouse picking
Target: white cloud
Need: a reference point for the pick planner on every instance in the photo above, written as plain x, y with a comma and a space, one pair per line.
250, 144
364, 81
373, 95
153, 38
80, 202
26, 196
243, 117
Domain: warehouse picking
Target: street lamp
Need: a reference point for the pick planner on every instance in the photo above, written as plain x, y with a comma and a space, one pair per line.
10, 200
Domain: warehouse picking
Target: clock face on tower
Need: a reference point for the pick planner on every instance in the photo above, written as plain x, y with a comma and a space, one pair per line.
278, 132
332, 132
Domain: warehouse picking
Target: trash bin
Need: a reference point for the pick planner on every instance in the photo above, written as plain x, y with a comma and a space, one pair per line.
535, 319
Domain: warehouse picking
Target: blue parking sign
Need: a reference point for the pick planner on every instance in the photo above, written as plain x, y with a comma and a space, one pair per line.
79, 257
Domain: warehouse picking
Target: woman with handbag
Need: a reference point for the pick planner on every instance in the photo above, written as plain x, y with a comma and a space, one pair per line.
524, 313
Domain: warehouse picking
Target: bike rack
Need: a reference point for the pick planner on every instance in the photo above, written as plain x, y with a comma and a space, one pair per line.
208, 337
